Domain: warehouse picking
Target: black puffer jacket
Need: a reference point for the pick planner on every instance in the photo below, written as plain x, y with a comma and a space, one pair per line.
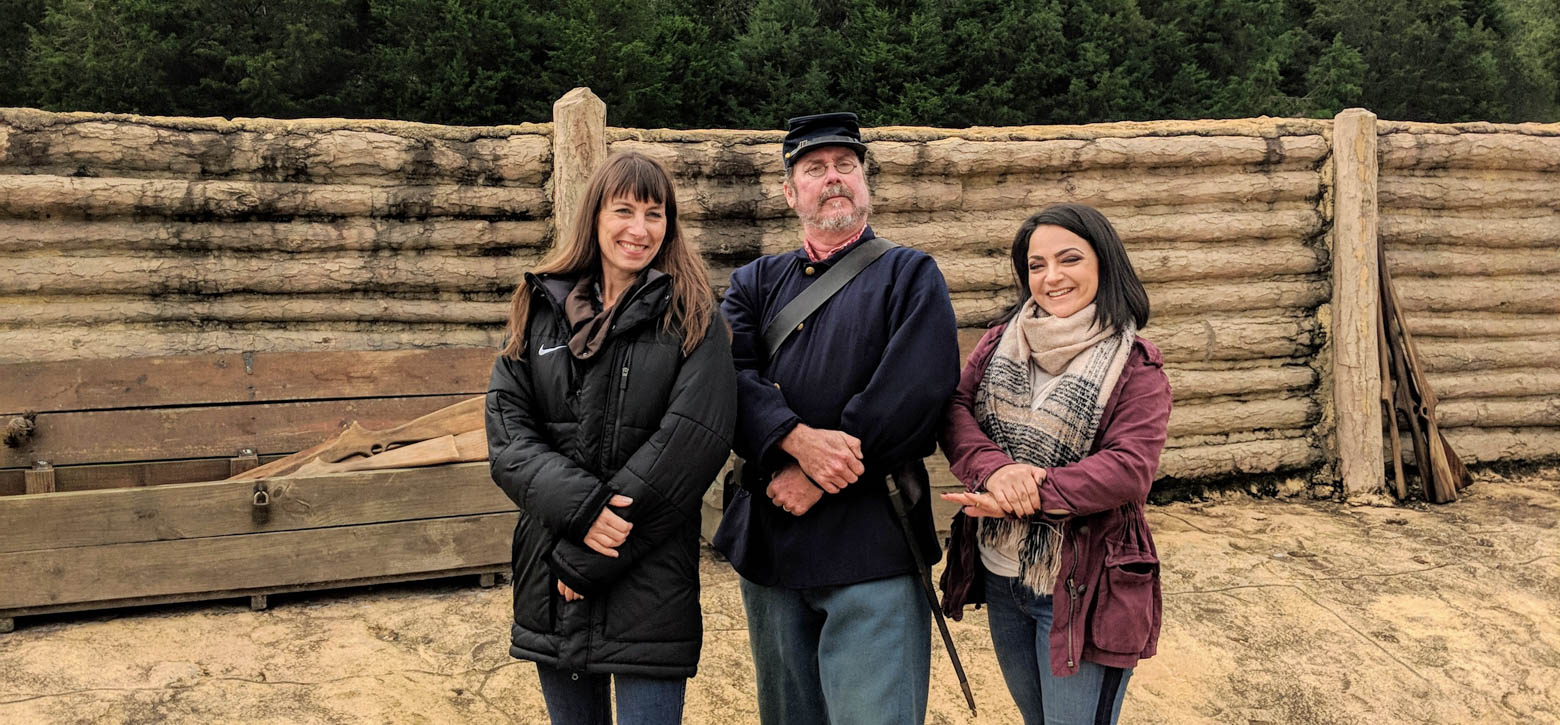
564, 435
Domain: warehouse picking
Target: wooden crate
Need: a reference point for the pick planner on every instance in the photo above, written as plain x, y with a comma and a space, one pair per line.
132, 510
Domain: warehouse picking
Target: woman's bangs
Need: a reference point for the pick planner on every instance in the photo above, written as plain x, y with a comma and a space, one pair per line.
639, 181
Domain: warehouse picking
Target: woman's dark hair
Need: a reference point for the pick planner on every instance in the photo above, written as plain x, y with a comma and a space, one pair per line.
1120, 296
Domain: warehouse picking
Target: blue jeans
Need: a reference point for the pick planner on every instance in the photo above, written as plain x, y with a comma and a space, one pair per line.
1020, 623
849, 655
581, 698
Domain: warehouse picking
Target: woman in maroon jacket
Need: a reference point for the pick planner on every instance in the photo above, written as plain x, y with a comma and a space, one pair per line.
1056, 430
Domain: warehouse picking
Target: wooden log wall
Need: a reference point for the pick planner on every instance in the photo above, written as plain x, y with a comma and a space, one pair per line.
131, 236
1470, 220
1224, 220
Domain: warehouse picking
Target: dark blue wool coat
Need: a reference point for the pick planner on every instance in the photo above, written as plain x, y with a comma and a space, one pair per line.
879, 361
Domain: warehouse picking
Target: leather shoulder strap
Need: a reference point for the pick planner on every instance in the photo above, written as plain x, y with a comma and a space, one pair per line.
803, 305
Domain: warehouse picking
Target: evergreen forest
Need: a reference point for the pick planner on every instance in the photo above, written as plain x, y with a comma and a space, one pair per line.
752, 63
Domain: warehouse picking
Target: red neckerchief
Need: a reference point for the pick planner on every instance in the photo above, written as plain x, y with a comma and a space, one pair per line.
818, 254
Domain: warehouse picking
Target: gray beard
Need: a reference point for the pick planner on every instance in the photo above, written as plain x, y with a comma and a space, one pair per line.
817, 219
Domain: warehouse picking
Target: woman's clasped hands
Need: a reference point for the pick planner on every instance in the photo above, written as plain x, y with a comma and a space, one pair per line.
1012, 491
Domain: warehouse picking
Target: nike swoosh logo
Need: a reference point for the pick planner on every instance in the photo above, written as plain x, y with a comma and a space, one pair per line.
545, 350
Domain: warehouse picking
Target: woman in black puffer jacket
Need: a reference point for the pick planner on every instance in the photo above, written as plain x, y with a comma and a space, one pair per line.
609, 413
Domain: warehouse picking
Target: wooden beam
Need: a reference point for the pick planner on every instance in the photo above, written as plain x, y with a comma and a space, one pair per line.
149, 382
359, 305
255, 561
41, 342
1356, 296
98, 476
221, 508
499, 570
207, 431
300, 236
579, 146
182, 274
30, 196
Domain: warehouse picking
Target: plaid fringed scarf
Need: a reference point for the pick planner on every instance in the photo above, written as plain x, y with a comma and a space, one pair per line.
1049, 425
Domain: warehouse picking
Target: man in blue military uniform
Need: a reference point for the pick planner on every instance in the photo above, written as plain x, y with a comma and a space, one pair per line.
839, 626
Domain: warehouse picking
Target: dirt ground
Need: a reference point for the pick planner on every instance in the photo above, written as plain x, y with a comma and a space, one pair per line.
1275, 612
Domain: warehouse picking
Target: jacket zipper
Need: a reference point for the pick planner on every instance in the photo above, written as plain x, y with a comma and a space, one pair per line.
622, 389
1072, 600
609, 426
617, 417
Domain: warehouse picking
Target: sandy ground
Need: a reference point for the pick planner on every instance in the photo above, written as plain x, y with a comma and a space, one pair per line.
1275, 612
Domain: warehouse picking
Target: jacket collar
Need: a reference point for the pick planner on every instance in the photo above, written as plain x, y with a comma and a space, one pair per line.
645, 300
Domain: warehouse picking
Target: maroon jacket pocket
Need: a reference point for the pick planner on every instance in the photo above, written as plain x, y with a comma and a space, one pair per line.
1124, 606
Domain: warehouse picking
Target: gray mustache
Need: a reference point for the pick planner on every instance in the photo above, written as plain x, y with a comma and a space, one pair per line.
834, 190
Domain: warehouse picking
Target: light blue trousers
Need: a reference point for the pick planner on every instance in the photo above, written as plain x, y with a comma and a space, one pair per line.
849, 655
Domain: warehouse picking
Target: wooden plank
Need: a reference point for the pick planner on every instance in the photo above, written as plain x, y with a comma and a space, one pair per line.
75, 385
207, 431
194, 510
98, 476
709, 520
280, 559
942, 481
499, 570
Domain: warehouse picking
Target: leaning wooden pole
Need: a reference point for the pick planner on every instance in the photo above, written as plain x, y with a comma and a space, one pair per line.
1404, 398
1389, 405
1441, 472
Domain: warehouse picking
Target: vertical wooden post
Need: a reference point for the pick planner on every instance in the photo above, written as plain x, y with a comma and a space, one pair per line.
1356, 374
40, 479
579, 146
246, 460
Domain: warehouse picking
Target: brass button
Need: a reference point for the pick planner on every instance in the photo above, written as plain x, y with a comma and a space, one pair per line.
809, 271
777, 386
799, 326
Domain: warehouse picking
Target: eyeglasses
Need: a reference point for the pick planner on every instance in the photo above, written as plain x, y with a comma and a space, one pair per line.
845, 167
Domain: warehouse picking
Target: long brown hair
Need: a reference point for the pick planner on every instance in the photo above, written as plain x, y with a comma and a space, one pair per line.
641, 178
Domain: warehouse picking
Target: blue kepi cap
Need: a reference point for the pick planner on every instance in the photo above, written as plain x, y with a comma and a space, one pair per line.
805, 133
